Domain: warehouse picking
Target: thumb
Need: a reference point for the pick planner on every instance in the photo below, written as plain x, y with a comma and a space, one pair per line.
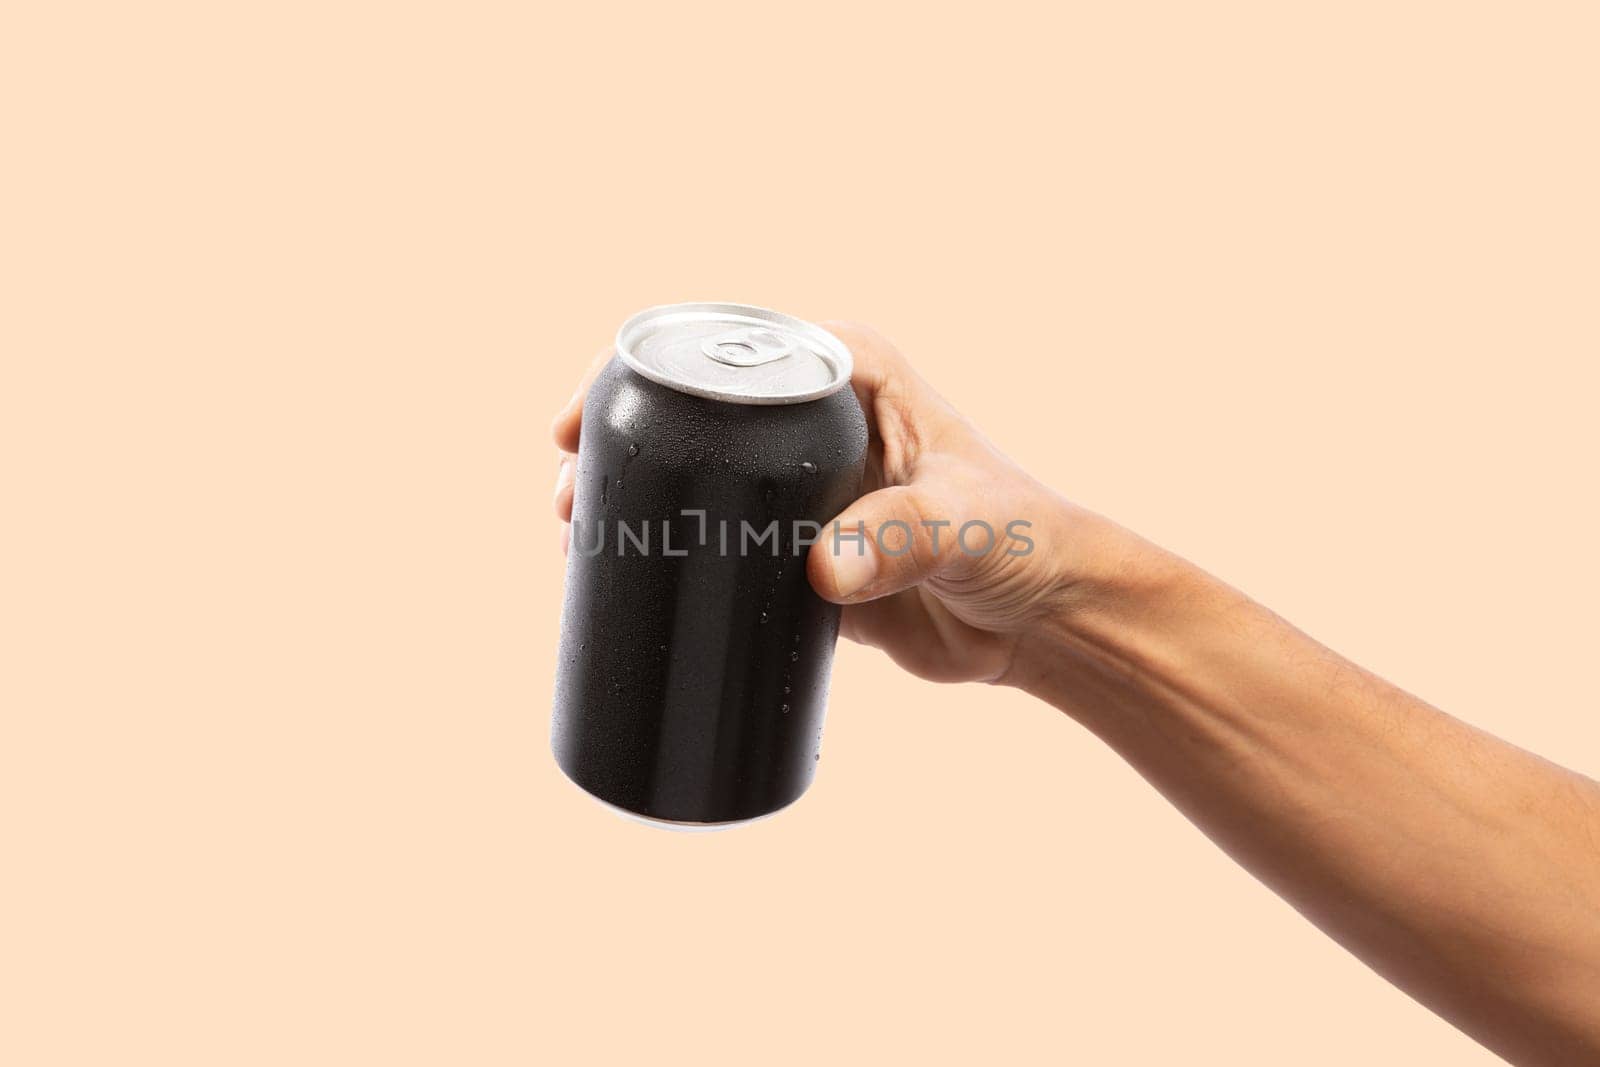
885, 542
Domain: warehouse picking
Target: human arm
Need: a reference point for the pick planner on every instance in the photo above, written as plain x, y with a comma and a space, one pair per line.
1460, 867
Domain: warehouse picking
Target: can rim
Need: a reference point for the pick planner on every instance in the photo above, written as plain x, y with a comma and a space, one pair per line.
829, 348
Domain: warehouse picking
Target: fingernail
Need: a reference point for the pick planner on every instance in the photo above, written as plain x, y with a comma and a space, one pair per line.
572, 402
854, 566
563, 476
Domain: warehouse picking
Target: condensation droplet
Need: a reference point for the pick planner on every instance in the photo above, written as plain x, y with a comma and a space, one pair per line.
633, 450
809, 467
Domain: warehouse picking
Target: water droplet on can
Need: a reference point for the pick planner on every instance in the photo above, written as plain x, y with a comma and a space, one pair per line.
633, 450
808, 467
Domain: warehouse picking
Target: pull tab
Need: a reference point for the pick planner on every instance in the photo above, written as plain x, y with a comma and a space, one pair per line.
749, 347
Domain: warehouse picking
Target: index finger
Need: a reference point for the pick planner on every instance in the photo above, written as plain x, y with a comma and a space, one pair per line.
880, 371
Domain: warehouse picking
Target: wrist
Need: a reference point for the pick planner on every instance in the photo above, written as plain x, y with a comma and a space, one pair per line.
1117, 600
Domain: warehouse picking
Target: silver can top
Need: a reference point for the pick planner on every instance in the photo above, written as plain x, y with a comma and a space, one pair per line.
734, 352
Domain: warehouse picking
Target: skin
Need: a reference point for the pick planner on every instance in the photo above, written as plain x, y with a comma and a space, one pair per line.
1461, 868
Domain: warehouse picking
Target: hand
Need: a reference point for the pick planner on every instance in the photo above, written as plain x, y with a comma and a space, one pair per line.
940, 612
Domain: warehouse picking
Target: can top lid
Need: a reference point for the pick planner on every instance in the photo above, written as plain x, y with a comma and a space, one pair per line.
735, 353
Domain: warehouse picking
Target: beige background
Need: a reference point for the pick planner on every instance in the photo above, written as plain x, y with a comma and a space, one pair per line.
290, 293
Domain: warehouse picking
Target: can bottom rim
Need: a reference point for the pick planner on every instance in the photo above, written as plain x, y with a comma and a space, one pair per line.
674, 825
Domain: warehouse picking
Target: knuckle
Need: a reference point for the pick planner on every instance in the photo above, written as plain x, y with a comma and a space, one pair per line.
918, 509
899, 432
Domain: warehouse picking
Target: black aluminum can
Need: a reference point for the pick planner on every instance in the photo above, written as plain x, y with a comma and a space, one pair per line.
693, 678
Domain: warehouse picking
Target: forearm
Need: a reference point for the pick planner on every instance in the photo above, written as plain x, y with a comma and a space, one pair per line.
1464, 869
